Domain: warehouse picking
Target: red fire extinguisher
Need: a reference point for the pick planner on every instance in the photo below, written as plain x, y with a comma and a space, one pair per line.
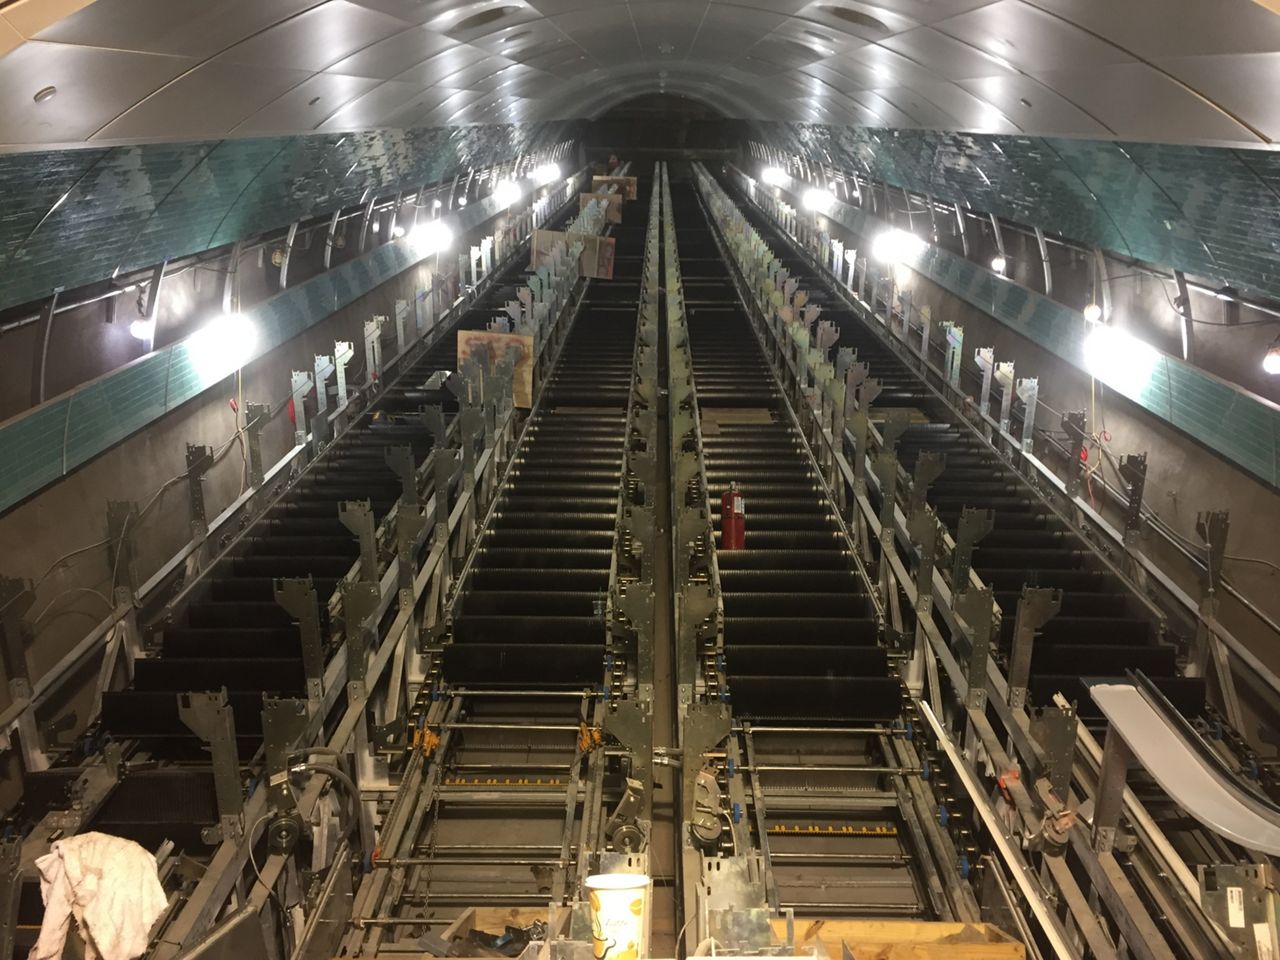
733, 519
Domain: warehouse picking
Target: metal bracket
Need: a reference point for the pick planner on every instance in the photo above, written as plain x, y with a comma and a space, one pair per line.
298, 598
1242, 899
343, 351
1133, 471
974, 524
626, 828
320, 426
1036, 607
359, 605
1054, 728
373, 349
705, 726
1075, 423
212, 719
199, 460
1005, 378
402, 325
299, 387
400, 460
357, 516
283, 722
255, 418
985, 358
1109, 800
976, 607
1212, 527
929, 466
1029, 394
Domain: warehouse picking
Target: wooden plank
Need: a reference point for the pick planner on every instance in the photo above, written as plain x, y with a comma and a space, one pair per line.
903, 939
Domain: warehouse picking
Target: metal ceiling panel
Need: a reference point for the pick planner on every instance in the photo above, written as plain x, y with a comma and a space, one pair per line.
1154, 29
946, 56
162, 26
228, 94
316, 39
371, 109
919, 11
968, 110
93, 88
1030, 104
414, 113
306, 105
1136, 69
554, 8
860, 20
1245, 84
467, 77
1031, 39
394, 55
431, 71
1136, 101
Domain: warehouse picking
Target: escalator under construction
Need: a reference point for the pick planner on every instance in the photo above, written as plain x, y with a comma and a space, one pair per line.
801, 733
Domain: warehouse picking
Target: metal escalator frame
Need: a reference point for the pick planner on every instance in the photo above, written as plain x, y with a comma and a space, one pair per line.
419, 785
1015, 865
231, 856
920, 819
247, 509
1016, 724
1096, 532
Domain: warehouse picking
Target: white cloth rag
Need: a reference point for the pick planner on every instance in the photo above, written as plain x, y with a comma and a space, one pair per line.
110, 885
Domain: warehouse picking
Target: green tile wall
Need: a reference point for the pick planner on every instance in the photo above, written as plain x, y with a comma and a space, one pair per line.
1213, 212
72, 217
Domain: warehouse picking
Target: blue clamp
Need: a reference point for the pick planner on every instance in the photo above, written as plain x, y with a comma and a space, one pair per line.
943, 816
925, 770
730, 766
737, 813
963, 864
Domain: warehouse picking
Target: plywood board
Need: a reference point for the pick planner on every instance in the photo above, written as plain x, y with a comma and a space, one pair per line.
903, 939
596, 260
627, 186
495, 347
541, 245
597, 257
612, 202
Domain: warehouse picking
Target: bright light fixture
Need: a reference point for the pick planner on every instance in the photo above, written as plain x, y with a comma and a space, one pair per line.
1093, 313
462, 201
818, 200
775, 176
397, 231
1271, 362
998, 263
437, 203
508, 192
896, 246
851, 257
221, 346
1119, 359
143, 329
546, 173
434, 236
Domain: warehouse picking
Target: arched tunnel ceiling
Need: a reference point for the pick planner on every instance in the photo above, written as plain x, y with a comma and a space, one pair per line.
165, 70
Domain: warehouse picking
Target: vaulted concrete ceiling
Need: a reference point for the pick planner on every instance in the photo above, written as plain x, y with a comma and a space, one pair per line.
1202, 71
